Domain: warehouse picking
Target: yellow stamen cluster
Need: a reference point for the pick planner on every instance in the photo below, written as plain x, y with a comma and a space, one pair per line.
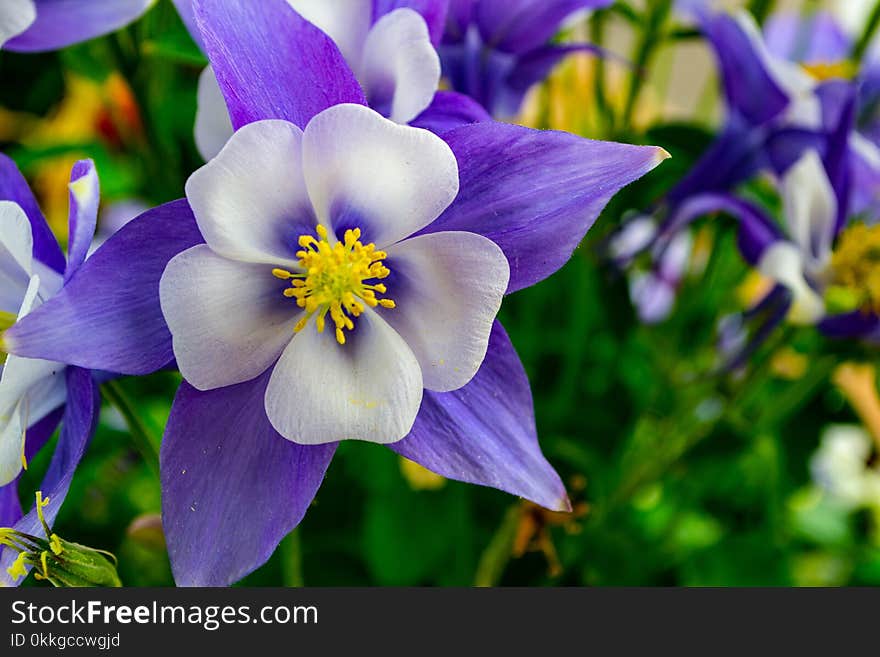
336, 280
855, 266
824, 71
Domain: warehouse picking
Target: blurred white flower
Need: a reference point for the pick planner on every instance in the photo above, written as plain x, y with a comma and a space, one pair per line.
841, 467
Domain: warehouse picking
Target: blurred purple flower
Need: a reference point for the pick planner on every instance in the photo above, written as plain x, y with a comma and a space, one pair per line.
495, 50
37, 394
39, 25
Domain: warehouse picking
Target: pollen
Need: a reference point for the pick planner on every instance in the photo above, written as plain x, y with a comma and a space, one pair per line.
855, 266
824, 71
341, 280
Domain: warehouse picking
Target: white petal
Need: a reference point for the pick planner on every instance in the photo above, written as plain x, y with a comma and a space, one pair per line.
229, 320
16, 16
250, 201
344, 21
16, 249
362, 169
810, 207
368, 389
213, 125
400, 71
11, 441
448, 290
28, 392
784, 263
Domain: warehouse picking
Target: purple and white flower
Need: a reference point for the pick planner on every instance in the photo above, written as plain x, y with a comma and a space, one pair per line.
37, 394
39, 25
419, 239
389, 46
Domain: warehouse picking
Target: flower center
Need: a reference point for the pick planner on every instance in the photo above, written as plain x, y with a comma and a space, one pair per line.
339, 279
855, 268
824, 71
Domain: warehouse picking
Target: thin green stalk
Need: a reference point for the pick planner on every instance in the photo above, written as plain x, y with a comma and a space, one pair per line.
116, 395
291, 560
760, 9
646, 47
867, 36
597, 36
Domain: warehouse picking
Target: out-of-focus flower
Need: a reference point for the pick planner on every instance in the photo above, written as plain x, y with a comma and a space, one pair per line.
388, 45
495, 50
39, 25
529, 195
35, 394
842, 467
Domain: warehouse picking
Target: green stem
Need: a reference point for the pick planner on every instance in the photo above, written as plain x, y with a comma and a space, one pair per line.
495, 557
644, 53
597, 35
864, 41
291, 560
116, 395
760, 9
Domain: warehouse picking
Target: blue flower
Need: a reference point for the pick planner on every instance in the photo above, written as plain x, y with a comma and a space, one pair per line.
495, 50
331, 275
37, 394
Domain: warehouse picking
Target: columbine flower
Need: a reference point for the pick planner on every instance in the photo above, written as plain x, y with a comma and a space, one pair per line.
312, 244
495, 50
777, 110
35, 394
429, 368
389, 46
37, 25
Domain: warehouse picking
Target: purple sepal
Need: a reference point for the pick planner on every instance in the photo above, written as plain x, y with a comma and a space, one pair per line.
484, 433
13, 187
108, 316
232, 487
433, 11
83, 217
78, 425
273, 64
450, 110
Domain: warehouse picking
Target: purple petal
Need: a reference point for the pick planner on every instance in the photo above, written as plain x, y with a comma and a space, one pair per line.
232, 487
450, 110
273, 64
61, 23
838, 102
13, 187
750, 87
10, 507
518, 26
536, 193
433, 11
458, 19
38, 434
757, 230
108, 316
811, 38
80, 419
856, 324
85, 196
485, 432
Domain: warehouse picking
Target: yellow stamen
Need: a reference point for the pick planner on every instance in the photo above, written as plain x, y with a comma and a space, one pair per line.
855, 267
339, 279
823, 71
17, 569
